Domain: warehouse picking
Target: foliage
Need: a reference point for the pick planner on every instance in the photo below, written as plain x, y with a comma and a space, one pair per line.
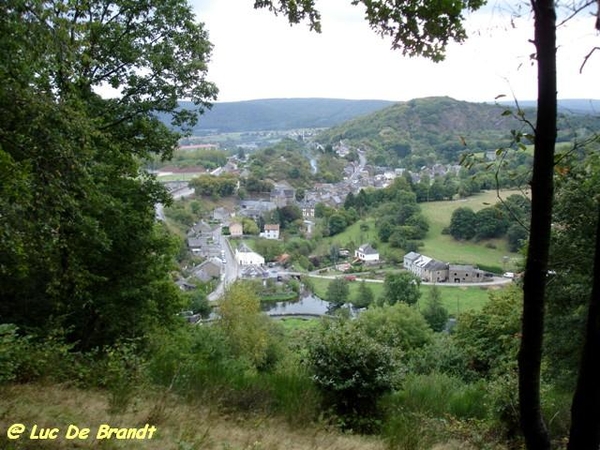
462, 224
336, 224
491, 337
80, 249
399, 327
198, 302
270, 249
400, 287
246, 328
364, 296
250, 227
516, 236
443, 355
352, 370
338, 291
434, 312
490, 223
23, 358
437, 395
214, 186
571, 262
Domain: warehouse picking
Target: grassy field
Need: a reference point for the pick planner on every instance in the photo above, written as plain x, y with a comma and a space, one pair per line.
455, 299
489, 252
446, 248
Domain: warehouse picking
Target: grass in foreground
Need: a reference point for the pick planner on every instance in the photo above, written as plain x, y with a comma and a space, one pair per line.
178, 425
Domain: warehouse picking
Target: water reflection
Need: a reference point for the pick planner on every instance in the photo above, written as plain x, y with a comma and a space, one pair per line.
308, 304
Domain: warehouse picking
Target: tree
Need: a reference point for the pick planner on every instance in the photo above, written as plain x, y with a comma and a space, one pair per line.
398, 326
80, 249
435, 314
352, 370
491, 336
463, 223
516, 236
400, 288
337, 291
542, 189
490, 223
364, 296
249, 226
243, 323
336, 224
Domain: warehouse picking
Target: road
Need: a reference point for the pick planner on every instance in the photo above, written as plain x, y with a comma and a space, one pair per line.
231, 272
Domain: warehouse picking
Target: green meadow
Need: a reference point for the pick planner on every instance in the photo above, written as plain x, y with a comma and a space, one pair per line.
490, 252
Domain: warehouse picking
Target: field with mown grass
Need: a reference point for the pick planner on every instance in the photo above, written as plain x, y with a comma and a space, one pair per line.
488, 252
446, 248
455, 299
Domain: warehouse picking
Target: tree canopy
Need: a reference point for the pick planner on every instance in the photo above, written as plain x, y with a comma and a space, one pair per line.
79, 248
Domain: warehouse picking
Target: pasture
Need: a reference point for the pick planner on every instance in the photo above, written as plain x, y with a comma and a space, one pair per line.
490, 252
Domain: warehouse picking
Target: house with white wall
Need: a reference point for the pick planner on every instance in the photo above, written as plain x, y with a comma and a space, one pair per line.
366, 253
271, 231
246, 257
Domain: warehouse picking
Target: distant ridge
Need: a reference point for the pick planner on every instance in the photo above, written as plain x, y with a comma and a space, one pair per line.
567, 105
283, 114
420, 131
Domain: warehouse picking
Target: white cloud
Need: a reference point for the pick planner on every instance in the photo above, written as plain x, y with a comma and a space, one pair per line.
257, 55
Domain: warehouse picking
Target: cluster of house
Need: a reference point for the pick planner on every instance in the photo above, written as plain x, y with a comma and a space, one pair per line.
434, 271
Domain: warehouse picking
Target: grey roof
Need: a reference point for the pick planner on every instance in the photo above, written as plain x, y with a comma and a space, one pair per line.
436, 265
367, 249
195, 242
461, 267
412, 256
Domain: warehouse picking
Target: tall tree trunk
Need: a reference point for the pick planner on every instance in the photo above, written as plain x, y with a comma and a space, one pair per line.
585, 411
534, 282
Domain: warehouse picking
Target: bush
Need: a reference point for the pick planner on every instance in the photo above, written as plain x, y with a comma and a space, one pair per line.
25, 358
442, 355
399, 327
438, 395
491, 268
353, 371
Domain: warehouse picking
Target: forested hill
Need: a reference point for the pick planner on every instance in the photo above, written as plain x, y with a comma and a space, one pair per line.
283, 114
425, 130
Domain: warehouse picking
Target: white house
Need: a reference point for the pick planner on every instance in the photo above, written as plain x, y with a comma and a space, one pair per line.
271, 231
409, 260
246, 257
366, 253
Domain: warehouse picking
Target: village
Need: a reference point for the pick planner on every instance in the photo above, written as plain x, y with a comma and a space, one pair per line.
226, 262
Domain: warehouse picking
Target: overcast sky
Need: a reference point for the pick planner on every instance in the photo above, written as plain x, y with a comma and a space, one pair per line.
257, 55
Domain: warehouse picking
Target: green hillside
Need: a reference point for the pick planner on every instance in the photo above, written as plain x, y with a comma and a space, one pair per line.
439, 129
282, 114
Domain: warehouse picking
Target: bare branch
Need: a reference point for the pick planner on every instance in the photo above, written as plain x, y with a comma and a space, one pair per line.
576, 11
585, 60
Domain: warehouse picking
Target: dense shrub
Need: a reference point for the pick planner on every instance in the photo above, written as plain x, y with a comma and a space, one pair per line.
399, 327
353, 371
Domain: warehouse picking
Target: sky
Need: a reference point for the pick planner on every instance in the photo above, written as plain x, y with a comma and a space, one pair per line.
257, 55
